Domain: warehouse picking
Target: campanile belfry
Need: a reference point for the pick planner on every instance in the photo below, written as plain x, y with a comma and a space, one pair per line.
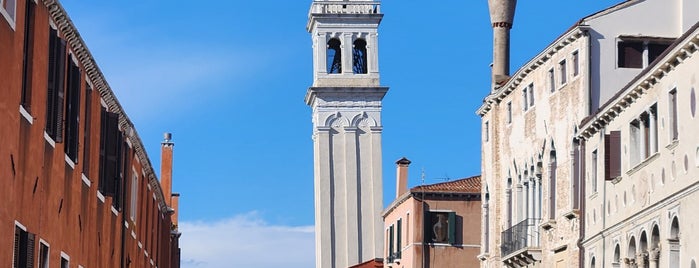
346, 112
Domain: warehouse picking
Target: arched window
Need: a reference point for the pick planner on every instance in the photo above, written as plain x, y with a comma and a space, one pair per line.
334, 54
674, 243
617, 255
359, 65
632, 248
592, 263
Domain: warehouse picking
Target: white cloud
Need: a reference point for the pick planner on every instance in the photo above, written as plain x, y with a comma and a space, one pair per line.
246, 241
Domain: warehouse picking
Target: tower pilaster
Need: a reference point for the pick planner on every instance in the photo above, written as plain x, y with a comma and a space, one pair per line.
346, 102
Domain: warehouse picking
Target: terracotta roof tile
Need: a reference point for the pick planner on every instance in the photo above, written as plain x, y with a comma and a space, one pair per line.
466, 185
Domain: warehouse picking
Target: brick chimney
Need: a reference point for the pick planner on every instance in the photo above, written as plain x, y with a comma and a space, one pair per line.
402, 176
176, 209
502, 15
166, 168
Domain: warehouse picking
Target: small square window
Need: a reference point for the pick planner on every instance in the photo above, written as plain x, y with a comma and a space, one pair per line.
509, 112
440, 227
486, 129
630, 54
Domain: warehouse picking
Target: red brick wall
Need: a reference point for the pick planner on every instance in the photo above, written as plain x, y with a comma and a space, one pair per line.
40, 190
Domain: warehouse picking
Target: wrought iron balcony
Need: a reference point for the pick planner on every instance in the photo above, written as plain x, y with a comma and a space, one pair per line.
520, 243
345, 7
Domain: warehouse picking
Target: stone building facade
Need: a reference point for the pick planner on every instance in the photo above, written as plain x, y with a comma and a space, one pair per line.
78, 187
532, 159
642, 164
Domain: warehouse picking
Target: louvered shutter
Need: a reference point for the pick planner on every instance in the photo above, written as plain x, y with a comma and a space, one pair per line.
103, 151
427, 227
15, 251
391, 250
30, 250
51, 88
452, 227
612, 155
399, 235
60, 89
73, 112
86, 132
111, 145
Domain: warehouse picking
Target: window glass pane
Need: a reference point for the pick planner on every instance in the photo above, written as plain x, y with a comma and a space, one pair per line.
630, 54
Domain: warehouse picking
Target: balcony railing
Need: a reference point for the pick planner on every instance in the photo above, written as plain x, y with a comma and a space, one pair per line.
345, 7
523, 235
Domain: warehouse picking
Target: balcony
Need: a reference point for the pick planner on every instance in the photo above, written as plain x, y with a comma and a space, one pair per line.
346, 7
521, 244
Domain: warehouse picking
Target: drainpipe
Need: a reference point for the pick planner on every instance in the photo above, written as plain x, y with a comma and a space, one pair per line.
581, 213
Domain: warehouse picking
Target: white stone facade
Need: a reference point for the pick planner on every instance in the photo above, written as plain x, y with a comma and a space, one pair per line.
534, 166
645, 216
346, 100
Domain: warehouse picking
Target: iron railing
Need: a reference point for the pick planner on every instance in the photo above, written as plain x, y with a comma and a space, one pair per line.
522, 235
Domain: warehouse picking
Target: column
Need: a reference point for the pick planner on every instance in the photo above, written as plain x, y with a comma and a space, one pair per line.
642, 142
353, 234
508, 205
653, 258
653, 131
519, 202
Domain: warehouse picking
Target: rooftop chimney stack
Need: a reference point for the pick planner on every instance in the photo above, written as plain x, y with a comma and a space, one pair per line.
402, 176
502, 14
166, 168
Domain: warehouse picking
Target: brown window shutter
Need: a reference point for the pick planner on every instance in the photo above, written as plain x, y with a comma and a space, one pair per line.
15, 261
103, 149
86, 133
30, 250
60, 92
111, 153
612, 155
72, 112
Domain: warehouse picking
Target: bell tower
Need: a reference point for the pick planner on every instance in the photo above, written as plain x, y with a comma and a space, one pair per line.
346, 105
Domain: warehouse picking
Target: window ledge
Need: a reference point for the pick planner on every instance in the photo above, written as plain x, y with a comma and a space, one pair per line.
133, 234
484, 256
572, 214
7, 16
100, 197
593, 195
672, 145
70, 162
616, 180
114, 211
86, 180
49, 140
548, 225
26, 115
561, 86
643, 163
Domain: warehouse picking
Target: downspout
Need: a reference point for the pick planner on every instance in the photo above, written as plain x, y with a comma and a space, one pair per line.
123, 214
582, 205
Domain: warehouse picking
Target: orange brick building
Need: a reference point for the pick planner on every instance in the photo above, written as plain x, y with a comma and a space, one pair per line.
77, 188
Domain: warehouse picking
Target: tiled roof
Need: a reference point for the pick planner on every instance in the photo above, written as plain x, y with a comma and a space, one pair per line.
466, 185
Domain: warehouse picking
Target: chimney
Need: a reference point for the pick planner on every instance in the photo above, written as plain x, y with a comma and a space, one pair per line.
502, 14
402, 176
176, 210
166, 168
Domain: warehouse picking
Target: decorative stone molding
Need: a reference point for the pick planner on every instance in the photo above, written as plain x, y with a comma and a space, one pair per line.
77, 45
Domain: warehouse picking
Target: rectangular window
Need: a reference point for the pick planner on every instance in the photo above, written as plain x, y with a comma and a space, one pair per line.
576, 63
65, 261
23, 255
635, 142
612, 155
86, 131
563, 73
109, 153
654, 50
7, 9
630, 54
27, 61
55, 90
593, 171
72, 111
440, 227
486, 129
674, 131
391, 249
552, 81
525, 97
399, 236
509, 112
43, 255
134, 196
531, 94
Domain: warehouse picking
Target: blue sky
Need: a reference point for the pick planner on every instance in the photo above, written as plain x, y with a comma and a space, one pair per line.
228, 79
